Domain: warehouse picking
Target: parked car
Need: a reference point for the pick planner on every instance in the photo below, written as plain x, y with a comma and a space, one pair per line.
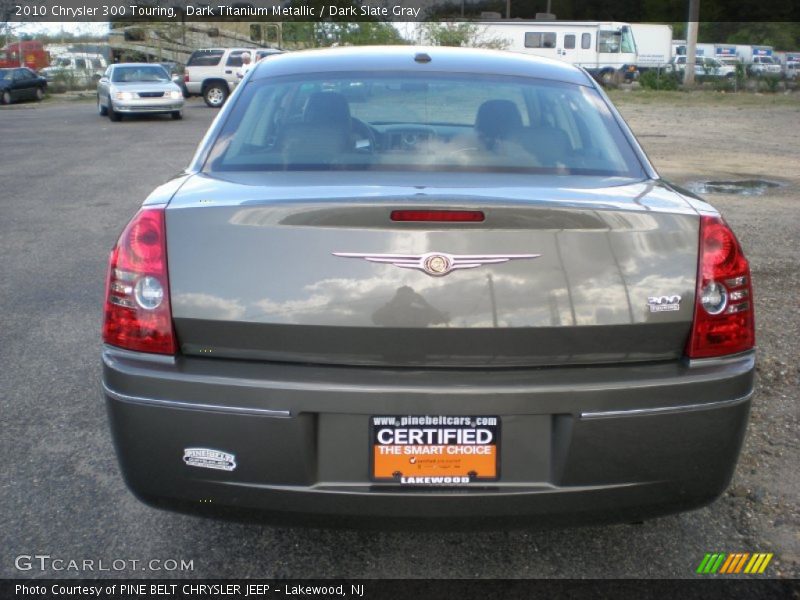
138, 88
791, 69
212, 72
21, 84
464, 294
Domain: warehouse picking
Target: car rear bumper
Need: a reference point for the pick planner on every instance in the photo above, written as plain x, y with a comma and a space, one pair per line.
577, 444
194, 87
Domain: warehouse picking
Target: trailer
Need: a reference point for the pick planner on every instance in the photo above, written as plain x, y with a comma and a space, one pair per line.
606, 49
653, 45
27, 53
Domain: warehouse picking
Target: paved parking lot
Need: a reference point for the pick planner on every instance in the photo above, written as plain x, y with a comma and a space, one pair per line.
71, 179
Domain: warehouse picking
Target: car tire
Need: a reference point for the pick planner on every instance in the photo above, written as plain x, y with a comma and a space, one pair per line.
215, 94
6, 98
177, 115
112, 114
102, 110
39, 94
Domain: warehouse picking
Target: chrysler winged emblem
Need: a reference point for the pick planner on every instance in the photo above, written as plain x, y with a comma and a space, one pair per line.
437, 264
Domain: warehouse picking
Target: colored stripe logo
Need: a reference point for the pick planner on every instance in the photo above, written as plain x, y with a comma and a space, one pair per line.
735, 563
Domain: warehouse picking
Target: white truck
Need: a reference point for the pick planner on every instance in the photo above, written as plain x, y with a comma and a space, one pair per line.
700, 49
653, 45
724, 52
788, 62
605, 49
759, 60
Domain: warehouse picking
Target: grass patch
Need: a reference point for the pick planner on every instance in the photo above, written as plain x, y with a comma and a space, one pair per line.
703, 98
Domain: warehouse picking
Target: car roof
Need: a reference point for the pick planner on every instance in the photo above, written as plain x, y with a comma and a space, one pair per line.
401, 58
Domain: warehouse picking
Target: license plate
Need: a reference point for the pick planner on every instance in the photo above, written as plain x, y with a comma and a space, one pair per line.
434, 450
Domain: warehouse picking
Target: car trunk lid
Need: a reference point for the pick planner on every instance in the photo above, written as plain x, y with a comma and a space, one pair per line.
293, 267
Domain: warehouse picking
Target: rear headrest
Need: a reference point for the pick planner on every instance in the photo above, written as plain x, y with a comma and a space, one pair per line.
498, 119
327, 108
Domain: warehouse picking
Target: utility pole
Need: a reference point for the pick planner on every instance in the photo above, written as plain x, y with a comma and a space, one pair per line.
691, 42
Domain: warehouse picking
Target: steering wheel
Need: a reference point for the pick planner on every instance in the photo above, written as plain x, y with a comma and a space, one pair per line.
364, 131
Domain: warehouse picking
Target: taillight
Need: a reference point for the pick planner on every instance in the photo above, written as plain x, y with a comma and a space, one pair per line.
186, 78
723, 314
137, 310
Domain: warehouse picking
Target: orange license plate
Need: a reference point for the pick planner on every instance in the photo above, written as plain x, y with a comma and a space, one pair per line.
435, 449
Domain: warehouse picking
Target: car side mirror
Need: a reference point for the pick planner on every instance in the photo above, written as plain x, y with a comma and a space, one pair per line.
104, 80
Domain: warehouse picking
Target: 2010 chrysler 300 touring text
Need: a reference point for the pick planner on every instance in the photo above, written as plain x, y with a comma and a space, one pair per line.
426, 283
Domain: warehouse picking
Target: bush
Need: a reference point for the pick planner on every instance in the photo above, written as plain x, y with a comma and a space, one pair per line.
771, 83
658, 80
741, 75
727, 84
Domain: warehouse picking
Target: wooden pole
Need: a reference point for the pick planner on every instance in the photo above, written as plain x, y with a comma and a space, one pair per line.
691, 42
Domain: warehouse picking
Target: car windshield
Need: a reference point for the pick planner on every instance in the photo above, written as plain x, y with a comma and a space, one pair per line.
139, 74
437, 121
6, 75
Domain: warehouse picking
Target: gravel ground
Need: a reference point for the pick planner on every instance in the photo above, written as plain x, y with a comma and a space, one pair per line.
71, 179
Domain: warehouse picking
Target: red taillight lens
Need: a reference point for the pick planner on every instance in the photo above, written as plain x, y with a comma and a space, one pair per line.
474, 216
186, 77
137, 310
723, 315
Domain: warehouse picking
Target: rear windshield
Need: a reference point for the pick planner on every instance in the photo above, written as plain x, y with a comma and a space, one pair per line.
205, 58
141, 73
436, 121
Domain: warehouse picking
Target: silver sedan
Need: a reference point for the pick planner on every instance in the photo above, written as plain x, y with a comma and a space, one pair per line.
135, 88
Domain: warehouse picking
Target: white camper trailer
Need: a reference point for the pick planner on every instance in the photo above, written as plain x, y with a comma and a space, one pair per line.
605, 49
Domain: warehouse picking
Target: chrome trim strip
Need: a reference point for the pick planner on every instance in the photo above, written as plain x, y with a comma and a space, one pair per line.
181, 405
719, 361
114, 352
665, 410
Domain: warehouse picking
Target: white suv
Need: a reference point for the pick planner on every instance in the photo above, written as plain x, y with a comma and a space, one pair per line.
213, 72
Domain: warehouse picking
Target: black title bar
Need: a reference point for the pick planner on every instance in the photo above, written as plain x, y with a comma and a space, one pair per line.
662, 11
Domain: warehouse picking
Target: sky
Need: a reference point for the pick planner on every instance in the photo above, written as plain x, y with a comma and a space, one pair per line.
55, 27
